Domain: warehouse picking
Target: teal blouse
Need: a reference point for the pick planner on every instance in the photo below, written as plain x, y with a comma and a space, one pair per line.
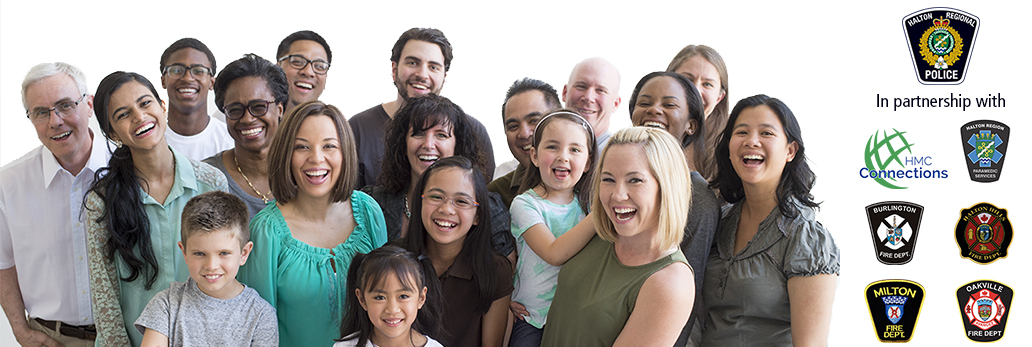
299, 280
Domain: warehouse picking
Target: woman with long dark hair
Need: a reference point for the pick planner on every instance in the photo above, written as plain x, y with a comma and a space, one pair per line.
134, 207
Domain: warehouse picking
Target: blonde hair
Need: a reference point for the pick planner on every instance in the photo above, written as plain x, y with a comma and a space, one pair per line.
668, 166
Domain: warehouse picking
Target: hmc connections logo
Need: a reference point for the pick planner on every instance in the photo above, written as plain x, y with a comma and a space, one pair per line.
889, 160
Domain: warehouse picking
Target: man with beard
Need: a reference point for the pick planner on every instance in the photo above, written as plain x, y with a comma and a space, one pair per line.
305, 57
188, 73
594, 91
420, 61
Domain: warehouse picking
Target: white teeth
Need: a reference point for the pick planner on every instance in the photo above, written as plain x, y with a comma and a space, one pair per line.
428, 157
252, 132
527, 147
393, 321
144, 129
304, 85
445, 224
61, 135
624, 210
752, 156
212, 276
655, 125
315, 173
187, 90
419, 86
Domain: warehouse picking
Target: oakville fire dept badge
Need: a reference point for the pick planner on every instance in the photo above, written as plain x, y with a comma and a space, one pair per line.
940, 42
895, 306
985, 145
894, 227
984, 307
984, 233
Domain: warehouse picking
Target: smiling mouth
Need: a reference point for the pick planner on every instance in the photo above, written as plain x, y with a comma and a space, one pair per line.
752, 159
213, 277
304, 85
625, 213
585, 112
561, 173
252, 132
187, 90
317, 173
393, 322
419, 86
527, 147
445, 224
61, 135
655, 124
143, 129
429, 159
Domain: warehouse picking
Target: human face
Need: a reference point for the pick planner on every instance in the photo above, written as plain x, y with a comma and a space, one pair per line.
317, 158
426, 147
67, 136
446, 224
759, 147
188, 92
213, 259
706, 79
562, 155
138, 118
249, 132
420, 71
392, 307
522, 113
629, 192
305, 84
592, 91
661, 104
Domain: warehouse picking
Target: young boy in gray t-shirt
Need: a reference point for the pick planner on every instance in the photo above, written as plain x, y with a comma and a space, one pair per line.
211, 308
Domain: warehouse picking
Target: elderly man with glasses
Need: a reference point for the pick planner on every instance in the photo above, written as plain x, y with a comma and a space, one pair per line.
305, 57
44, 276
188, 73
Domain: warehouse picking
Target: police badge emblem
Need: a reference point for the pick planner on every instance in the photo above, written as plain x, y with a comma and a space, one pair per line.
983, 233
940, 42
895, 306
985, 145
894, 227
984, 307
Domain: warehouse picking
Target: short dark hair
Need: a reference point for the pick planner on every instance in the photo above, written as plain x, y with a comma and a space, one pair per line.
213, 211
187, 42
251, 65
695, 112
281, 180
284, 46
418, 115
423, 34
528, 84
796, 180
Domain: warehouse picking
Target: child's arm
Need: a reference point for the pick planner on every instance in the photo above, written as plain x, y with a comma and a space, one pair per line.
493, 324
152, 338
557, 251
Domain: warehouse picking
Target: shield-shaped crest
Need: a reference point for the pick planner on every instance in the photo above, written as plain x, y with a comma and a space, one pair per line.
985, 233
894, 312
985, 309
896, 236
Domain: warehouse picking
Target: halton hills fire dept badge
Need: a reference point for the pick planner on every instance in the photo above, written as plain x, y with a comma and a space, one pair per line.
984, 308
894, 227
984, 233
895, 306
940, 42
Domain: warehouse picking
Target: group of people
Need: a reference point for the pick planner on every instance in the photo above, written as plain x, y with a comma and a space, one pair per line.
290, 224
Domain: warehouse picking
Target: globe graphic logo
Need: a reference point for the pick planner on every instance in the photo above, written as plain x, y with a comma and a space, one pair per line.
884, 154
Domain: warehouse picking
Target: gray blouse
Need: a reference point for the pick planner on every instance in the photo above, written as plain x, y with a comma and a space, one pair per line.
253, 204
746, 294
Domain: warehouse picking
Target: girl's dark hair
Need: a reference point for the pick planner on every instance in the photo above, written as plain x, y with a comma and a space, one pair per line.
117, 185
371, 270
697, 140
477, 250
796, 180
416, 116
532, 178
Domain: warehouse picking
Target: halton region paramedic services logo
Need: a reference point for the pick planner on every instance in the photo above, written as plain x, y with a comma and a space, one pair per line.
984, 308
894, 227
985, 145
984, 233
940, 41
895, 306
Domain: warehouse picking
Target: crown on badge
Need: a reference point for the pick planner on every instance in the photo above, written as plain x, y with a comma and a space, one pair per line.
941, 22
894, 300
985, 136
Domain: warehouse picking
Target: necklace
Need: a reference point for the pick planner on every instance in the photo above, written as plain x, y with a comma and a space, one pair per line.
265, 198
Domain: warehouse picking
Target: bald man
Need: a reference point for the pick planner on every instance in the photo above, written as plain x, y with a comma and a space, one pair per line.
594, 91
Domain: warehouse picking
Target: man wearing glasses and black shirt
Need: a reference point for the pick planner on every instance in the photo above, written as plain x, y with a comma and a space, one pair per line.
188, 73
305, 57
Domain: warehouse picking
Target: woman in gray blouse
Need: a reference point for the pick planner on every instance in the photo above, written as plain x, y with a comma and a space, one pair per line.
772, 272
252, 92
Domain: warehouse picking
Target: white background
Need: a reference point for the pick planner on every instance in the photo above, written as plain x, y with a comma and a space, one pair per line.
827, 61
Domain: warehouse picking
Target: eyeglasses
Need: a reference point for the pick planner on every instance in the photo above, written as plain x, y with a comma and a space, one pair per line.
65, 109
257, 108
179, 70
299, 62
461, 203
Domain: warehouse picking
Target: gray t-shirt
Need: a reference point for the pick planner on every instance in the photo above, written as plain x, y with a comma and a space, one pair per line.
188, 317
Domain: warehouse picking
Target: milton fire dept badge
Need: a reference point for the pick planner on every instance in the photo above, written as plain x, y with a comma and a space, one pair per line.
895, 306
